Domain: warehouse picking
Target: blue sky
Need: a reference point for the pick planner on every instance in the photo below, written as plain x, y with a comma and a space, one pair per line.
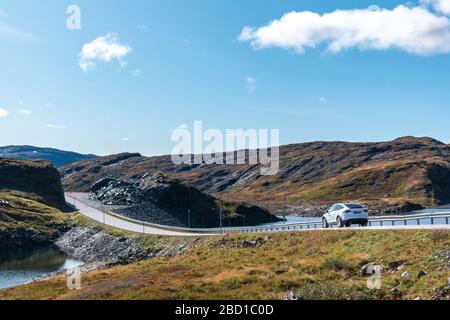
187, 62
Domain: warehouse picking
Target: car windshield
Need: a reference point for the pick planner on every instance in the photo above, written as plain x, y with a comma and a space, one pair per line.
354, 206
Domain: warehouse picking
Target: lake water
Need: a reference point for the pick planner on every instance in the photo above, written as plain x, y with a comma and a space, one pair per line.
24, 266
290, 219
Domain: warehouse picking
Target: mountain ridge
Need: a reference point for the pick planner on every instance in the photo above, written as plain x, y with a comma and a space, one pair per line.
58, 157
401, 171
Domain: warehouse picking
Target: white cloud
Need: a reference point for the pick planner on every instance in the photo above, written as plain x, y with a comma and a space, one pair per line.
250, 84
55, 126
125, 139
323, 100
442, 6
136, 72
24, 112
415, 30
103, 49
3, 113
9, 32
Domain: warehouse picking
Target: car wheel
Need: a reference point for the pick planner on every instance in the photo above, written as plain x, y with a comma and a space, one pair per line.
325, 223
348, 225
364, 224
339, 222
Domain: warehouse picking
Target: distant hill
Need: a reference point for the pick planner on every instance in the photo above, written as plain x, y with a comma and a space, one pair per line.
59, 158
405, 173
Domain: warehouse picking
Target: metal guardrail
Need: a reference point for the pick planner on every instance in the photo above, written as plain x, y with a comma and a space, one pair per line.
308, 225
412, 217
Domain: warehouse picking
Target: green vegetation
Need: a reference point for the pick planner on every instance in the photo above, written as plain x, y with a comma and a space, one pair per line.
23, 213
315, 265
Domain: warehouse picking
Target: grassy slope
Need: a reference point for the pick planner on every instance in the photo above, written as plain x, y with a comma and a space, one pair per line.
25, 213
400, 182
325, 263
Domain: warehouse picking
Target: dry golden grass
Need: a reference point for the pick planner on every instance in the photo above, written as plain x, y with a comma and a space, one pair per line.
322, 264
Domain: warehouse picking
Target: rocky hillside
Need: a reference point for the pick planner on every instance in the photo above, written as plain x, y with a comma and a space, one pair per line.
405, 173
158, 199
59, 158
36, 179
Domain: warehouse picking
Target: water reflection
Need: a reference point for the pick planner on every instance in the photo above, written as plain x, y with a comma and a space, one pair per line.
22, 266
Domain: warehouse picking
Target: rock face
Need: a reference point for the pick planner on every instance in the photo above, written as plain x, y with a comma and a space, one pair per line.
157, 199
392, 176
59, 158
37, 178
91, 245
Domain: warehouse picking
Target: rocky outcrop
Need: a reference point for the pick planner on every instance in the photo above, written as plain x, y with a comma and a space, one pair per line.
93, 245
38, 179
25, 239
157, 199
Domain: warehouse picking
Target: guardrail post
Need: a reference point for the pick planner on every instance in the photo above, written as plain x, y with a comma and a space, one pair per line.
446, 220
432, 220
406, 222
418, 222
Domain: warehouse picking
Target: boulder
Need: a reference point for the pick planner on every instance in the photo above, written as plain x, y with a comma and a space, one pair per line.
421, 274
406, 274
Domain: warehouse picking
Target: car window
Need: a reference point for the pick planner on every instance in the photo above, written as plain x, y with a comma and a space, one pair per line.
332, 208
338, 207
354, 206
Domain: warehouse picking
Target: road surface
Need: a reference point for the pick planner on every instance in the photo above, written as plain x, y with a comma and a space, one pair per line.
137, 227
112, 221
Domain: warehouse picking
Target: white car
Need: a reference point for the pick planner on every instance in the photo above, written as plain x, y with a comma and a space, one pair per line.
346, 214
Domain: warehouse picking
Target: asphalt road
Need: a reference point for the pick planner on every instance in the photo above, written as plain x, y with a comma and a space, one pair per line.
116, 222
112, 221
